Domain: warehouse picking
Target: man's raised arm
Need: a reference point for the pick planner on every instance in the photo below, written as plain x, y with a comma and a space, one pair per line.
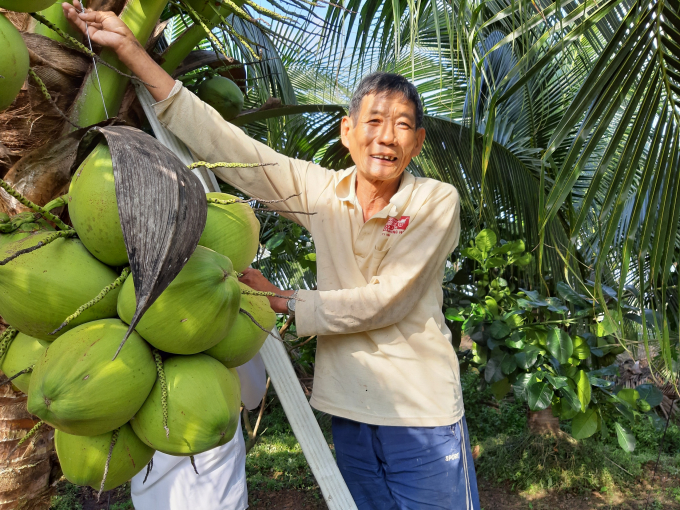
201, 128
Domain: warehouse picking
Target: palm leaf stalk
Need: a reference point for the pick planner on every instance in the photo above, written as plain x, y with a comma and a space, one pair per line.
141, 17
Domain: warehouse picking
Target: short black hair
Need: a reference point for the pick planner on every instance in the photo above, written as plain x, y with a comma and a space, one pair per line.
386, 83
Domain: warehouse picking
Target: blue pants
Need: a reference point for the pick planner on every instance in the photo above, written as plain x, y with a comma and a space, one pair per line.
406, 468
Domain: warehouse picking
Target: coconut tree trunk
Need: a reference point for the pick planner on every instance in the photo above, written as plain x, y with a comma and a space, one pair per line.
25, 472
543, 422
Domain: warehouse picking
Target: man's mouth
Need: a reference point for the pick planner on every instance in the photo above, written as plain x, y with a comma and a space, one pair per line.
384, 157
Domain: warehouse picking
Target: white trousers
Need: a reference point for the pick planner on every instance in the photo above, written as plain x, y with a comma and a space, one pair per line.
221, 483
173, 484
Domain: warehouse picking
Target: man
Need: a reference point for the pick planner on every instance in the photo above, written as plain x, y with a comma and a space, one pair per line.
385, 367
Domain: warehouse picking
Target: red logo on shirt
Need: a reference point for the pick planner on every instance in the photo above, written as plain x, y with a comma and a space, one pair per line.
396, 226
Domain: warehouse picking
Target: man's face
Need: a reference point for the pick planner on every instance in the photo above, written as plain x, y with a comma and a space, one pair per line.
383, 137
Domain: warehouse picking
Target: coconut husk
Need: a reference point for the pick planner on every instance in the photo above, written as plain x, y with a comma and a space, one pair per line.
31, 121
22, 20
5, 155
161, 204
43, 174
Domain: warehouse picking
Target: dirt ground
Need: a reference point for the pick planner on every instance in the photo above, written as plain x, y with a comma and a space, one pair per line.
502, 498
665, 495
286, 500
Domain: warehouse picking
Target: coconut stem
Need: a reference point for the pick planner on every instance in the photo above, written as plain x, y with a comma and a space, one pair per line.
30, 434
149, 467
116, 283
241, 201
114, 438
25, 201
222, 164
193, 463
83, 49
247, 314
267, 12
17, 221
197, 18
164, 390
237, 12
265, 294
46, 95
286, 212
57, 202
44, 242
24, 371
6, 339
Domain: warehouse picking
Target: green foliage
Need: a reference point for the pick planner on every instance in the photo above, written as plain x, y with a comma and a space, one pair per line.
531, 462
72, 497
550, 351
66, 498
276, 461
484, 419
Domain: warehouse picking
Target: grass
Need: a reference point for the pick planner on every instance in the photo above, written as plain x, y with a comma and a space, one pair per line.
66, 498
533, 463
509, 456
72, 497
276, 462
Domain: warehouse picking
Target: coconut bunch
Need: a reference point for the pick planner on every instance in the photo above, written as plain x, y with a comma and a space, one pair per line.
71, 298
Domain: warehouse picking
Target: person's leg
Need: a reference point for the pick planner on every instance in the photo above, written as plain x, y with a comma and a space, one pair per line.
429, 467
360, 465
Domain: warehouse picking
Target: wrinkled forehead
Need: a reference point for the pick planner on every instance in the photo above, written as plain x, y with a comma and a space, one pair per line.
387, 102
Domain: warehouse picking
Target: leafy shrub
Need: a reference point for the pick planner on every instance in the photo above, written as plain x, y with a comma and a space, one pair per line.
549, 351
485, 421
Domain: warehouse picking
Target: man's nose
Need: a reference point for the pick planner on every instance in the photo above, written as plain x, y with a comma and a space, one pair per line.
388, 134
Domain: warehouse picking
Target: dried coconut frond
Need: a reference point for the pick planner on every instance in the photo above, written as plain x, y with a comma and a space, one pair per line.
21, 20
32, 120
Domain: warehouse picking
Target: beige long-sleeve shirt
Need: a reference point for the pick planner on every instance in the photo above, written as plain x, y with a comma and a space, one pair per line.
384, 353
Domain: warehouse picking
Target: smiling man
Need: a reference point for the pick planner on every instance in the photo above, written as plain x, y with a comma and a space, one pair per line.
385, 367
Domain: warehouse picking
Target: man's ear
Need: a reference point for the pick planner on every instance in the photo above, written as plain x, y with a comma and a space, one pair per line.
345, 126
420, 140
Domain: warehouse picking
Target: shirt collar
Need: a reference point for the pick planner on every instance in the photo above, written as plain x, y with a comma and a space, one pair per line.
345, 190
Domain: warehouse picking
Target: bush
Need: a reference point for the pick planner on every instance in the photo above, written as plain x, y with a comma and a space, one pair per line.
485, 420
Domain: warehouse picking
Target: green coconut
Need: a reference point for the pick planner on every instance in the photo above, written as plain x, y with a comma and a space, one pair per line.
83, 458
21, 225
26, 5
203, 402
38, 290
222, 94
13, 60
197, 309
23, 353
77, 388
232, 230
245, 338
93, 208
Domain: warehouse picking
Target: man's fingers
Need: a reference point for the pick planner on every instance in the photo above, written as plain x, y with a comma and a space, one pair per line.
72, 15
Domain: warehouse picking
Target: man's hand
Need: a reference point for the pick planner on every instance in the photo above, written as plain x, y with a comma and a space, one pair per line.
108, 30
105, 28
256, 281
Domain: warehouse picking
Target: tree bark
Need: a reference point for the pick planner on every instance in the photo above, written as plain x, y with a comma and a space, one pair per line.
25, 472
